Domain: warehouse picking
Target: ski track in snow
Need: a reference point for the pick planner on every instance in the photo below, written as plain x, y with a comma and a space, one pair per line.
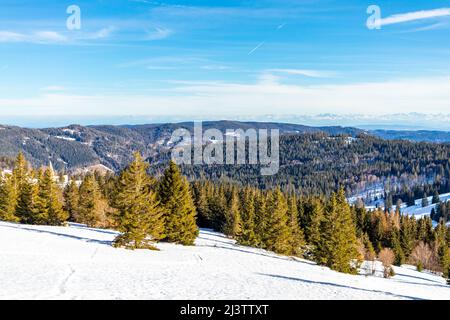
41, 262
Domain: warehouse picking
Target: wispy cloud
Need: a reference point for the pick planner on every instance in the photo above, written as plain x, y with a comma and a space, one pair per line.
35, 37
53, 37
414, 16
158, 34
259, 98
305, 72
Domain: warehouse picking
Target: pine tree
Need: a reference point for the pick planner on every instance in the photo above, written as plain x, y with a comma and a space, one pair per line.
27, 204
338, 243
297, 241
139, 217
232, 226
49, 205
71, 200
201, 203
248, 236
442, 248
20, 171
278, 236
436, 198
179, 210
259, 220
8, 199
397, 248
90, 206
312, 222
407, 234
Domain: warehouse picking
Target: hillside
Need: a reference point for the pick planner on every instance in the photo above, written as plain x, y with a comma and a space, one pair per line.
78, 146
75, 262
316, 159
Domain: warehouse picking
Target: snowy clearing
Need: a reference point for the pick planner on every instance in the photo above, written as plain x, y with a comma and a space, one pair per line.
40, 262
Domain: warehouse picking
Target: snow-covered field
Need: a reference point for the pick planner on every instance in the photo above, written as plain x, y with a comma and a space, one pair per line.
418, 211
39, 262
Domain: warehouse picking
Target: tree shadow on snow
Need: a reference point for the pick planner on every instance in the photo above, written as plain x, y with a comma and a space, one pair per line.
238, 248
434, 283
339, 286
90, 240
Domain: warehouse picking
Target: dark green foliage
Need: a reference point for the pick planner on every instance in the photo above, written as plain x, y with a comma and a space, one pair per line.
338, 243
139, 217
248, 236
71, 197
233, 224
179, 210
49, 204
8, 199
90, 206
278, 236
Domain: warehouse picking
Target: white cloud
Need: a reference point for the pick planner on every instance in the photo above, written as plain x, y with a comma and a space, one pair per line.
48, 36
51, 37
101, 34
305, 72
267, 96
158, 34
8, 36
413, 16
36, 37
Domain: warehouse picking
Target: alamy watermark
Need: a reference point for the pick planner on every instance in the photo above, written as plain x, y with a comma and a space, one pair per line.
73, 22
374, 21
251, 147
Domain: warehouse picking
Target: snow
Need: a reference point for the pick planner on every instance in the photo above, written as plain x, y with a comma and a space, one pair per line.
42, 262
418, 211
65, 138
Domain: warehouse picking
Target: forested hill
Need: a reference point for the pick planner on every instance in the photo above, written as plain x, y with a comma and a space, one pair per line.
315, 159
80, 146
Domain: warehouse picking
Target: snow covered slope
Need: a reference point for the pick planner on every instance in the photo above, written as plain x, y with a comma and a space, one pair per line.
418, 211
39, 262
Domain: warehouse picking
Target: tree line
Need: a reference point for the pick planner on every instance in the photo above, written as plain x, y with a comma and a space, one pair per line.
146, 209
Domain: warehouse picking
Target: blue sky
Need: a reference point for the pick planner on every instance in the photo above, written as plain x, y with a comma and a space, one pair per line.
207, 59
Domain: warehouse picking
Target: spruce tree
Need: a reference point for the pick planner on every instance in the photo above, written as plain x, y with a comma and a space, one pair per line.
201, 203
27, 209
179, 210
71, 200
338, 243
232, 226
8, 199
90, 205
313, 219
248, 236
297, 240
436, 198
260, 217
139, 216
278, 236
21, 171
407, 234
397, 248
50, 205
442, 248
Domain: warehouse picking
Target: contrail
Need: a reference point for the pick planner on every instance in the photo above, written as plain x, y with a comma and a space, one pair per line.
281, 26
256, 48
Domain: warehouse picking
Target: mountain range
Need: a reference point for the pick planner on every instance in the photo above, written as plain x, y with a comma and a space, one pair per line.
77, 146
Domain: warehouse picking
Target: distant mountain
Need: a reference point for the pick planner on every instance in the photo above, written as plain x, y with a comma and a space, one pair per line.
421, 135
74, 147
